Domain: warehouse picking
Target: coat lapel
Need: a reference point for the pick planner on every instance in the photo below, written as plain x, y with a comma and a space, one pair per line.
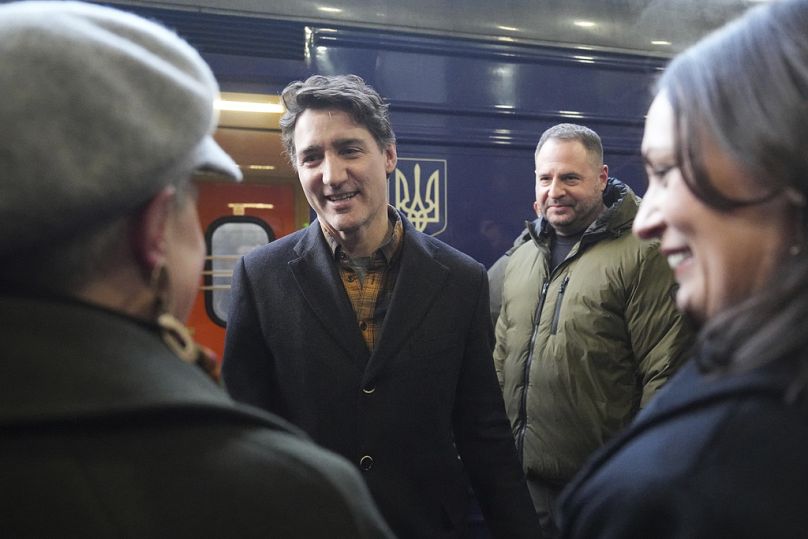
420, 279
320, 284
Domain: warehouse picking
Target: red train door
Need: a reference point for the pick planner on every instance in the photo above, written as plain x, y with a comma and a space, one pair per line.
268, 204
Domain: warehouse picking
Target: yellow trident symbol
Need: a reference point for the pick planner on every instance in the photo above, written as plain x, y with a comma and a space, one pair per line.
419, 212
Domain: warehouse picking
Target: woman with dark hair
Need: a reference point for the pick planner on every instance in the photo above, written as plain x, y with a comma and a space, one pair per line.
723, 450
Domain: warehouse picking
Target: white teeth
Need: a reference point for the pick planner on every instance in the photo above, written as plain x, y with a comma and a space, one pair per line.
346, 196
675, 259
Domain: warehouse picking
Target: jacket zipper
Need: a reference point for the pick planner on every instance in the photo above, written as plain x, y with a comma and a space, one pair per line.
557, 310
520, 439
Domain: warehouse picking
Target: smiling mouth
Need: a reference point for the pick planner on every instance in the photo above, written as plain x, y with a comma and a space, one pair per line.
674, 259
341, 197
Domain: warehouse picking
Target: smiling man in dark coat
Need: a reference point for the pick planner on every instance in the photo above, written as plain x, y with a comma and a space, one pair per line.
373, 337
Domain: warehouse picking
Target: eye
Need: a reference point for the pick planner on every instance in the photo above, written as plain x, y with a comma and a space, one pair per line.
308, 159
659, 173
350, 151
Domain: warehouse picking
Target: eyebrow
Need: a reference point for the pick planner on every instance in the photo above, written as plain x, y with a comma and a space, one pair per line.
310, 149
565, 174
348, 142
647, 161
339, 143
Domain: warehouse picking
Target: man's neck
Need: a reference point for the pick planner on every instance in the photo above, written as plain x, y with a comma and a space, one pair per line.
580, 230
364, 242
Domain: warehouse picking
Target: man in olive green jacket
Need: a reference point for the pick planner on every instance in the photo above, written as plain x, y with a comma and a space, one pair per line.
588, 330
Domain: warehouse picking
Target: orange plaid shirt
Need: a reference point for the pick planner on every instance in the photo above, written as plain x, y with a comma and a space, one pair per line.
369, 281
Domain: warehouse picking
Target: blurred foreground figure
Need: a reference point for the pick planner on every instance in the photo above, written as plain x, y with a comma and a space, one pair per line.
721, 451
107, 426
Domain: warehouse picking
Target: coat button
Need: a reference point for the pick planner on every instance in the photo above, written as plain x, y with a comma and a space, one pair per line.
368, 390
366, 462
363, 325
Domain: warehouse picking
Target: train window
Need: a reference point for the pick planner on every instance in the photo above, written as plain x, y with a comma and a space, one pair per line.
228, 239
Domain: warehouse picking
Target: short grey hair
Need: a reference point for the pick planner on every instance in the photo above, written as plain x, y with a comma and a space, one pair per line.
88, 255
584, 135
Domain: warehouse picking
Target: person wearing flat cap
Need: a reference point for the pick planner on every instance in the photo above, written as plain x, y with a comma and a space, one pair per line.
107, 426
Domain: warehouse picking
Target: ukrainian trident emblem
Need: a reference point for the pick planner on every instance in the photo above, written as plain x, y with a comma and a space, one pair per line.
422, 202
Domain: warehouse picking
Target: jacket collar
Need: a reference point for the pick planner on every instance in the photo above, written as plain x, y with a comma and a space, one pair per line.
67, 360
420, 278
690, 389
694, 387
621, 207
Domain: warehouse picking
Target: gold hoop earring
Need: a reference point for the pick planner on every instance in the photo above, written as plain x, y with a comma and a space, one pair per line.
797, 246
177, 337
175, 334
158, 283
797, 201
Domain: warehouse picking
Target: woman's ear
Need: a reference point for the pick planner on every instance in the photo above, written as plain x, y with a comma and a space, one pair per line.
148, 233
795, 197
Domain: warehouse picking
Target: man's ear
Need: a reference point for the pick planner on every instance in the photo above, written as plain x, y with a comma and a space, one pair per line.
603, 177
148, 234
390, 158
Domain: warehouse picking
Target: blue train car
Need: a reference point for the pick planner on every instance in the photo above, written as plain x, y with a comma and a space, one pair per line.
470, 87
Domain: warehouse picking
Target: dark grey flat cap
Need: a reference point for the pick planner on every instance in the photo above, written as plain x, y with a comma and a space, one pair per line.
100, 109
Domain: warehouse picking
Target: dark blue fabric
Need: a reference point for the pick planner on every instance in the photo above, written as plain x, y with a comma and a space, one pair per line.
425, 395
711, 456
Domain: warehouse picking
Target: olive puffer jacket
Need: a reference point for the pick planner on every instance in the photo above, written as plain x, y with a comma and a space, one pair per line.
581, 348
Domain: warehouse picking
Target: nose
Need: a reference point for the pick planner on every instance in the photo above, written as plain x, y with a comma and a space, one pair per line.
333, 170
649, 222
556, 189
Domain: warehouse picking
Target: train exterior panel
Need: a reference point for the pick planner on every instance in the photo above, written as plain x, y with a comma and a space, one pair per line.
467, 114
